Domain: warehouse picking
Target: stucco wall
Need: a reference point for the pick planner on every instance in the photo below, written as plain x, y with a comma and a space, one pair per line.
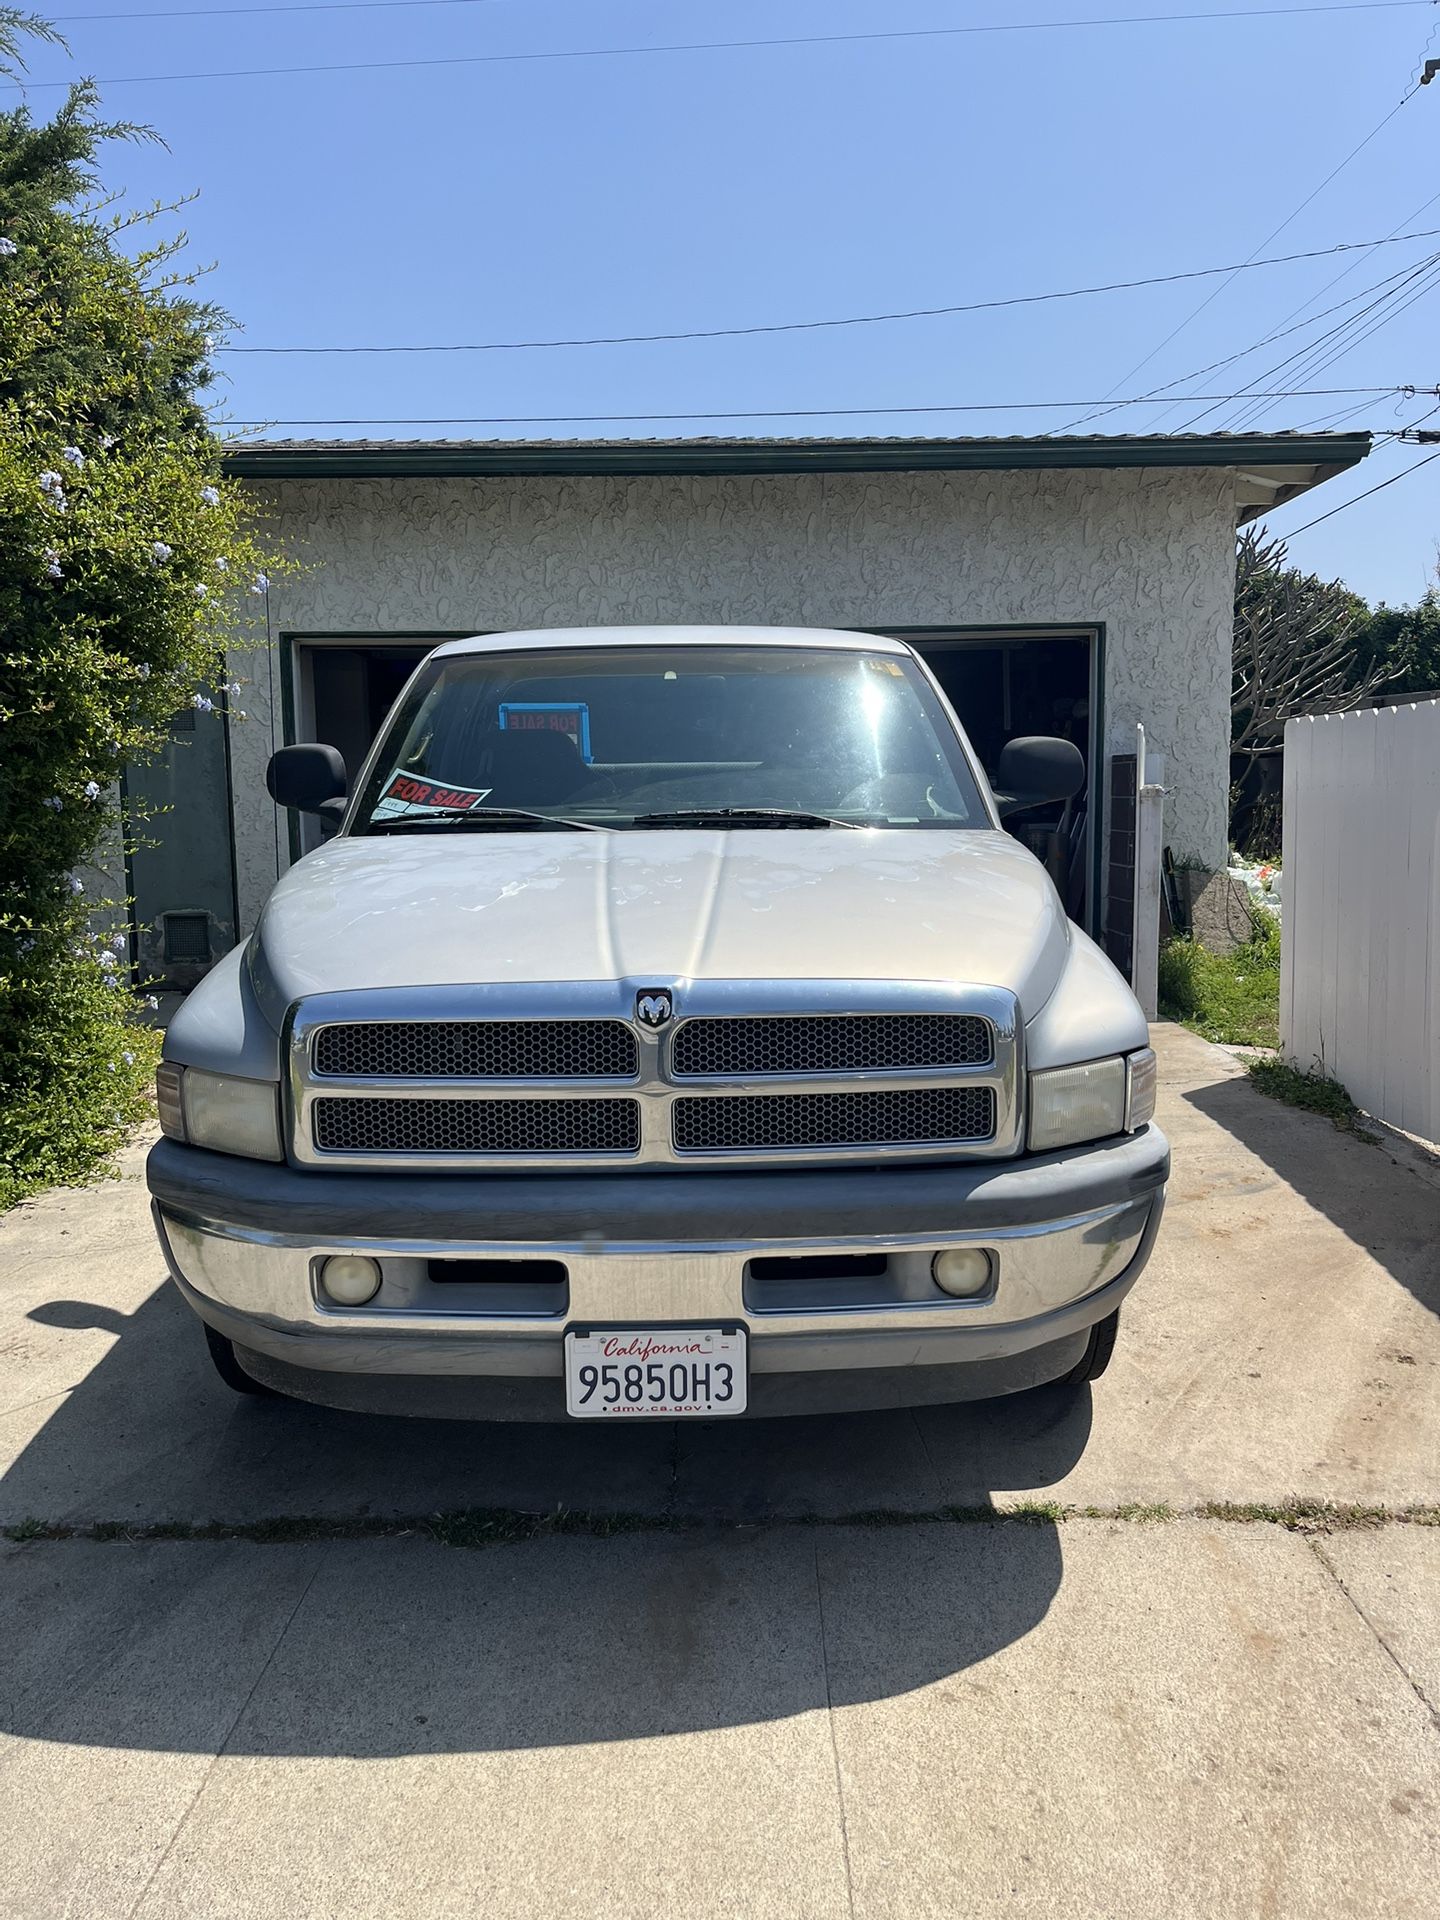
1147, 551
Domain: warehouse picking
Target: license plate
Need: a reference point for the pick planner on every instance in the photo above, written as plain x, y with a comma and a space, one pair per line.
664, 1373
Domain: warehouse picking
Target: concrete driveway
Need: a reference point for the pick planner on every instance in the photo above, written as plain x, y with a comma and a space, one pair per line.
1036, 1658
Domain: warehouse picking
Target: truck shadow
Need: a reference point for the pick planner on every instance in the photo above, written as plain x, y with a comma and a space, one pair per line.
704, 1588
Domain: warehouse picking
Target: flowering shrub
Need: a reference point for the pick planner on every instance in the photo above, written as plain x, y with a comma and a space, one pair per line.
118, 539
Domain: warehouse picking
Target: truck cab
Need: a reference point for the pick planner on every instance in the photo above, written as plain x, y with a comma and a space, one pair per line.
669, 1027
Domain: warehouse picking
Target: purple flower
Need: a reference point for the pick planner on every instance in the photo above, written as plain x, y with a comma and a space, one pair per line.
106, 959
232, 686
222, 565
261, 583
8, 248
201, 590
52, 563
92, 789
201, 704
76, 886
211, 496
54, 802
51, 481
128, 1058
73, 454
159, 552
119, 942
143, 670
152, 1003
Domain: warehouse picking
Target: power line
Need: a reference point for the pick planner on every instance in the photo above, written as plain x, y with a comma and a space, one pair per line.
1404, 473
1282, 328
1323, 353
1304, 360
848, 320
698, 46
804, 413
1026, 26
1289, 220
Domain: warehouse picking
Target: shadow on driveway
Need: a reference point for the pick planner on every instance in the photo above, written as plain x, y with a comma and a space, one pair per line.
692, 1614
1381, 1206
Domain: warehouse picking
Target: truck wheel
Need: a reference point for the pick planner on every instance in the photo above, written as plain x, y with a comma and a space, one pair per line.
222, 1352
1096, 1357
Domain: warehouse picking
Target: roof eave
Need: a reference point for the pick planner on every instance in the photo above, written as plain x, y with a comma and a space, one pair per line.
1306, 459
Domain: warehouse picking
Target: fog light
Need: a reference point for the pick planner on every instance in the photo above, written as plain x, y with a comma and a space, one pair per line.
350, 1279
962, 1272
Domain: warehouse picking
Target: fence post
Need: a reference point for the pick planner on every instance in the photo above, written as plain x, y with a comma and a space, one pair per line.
1149, 839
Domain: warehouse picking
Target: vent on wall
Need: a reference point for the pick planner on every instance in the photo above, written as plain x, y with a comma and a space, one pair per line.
187, 937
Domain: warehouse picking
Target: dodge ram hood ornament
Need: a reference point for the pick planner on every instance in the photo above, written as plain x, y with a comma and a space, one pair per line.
654, 1007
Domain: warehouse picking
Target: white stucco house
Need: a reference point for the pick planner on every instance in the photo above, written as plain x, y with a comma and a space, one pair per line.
1055, 585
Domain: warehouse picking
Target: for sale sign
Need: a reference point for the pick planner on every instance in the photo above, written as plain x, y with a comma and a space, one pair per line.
570, 717
410, 793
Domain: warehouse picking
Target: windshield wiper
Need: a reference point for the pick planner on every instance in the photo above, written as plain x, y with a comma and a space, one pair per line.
514, 819
738, 817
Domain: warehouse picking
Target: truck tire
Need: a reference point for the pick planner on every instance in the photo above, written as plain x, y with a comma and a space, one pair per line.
222, 1352
1096, 1357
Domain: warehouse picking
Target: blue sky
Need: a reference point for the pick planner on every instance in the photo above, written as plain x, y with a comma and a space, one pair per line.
723, 188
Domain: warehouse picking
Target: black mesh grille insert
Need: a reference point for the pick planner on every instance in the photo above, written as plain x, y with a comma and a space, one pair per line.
349, 1125
831, 1043
478, 1049
715, 1122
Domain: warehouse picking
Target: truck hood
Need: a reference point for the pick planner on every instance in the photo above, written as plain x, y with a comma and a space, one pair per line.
662, 906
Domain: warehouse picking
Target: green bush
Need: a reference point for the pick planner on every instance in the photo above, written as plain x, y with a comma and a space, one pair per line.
120, 550
1231, 998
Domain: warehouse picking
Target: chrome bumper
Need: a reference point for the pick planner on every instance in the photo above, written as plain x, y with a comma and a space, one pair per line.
1051, 1277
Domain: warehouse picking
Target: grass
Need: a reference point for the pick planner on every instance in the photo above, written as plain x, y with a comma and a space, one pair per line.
1314, 1090
476, 1527
1230, 998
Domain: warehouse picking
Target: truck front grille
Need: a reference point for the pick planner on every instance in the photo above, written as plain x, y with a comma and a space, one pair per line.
830, 1043
478, 1050
717, 1123
352, 1125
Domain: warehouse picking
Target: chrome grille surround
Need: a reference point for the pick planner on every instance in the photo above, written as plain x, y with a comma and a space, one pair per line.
664, 1105
747, 1045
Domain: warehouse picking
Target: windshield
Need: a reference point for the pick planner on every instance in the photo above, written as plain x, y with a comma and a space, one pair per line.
652, 735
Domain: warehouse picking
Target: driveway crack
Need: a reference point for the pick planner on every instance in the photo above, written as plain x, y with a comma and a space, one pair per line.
834, 1745
224, 1746
1390, 1653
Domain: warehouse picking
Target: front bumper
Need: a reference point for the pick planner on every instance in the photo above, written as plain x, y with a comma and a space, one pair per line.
1068, 1234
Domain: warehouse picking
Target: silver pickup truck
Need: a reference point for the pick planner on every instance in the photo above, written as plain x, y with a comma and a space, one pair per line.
667, 1028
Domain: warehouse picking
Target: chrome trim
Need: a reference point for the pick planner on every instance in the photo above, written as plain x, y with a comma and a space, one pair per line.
270, 1276
657, 1088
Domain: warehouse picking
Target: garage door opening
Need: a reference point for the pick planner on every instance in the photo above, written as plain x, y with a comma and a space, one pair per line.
341, 690
1003, 685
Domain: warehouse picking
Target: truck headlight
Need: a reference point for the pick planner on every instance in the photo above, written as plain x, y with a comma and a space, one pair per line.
219, 1111
1071, 1104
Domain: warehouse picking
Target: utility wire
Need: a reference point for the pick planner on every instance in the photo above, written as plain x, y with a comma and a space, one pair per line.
1019, 26
1282, 327
800, 413
1314, 363
1281, 332
854, 319
1403, 474
1298, 359
683, 46
1275, 232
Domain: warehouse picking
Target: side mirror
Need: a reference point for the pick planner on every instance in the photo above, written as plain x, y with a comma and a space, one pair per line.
310, 778
1035, 771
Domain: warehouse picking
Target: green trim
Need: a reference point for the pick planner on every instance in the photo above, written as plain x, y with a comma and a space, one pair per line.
334, 460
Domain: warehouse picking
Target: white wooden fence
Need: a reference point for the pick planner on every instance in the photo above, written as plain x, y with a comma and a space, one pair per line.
1360, 977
